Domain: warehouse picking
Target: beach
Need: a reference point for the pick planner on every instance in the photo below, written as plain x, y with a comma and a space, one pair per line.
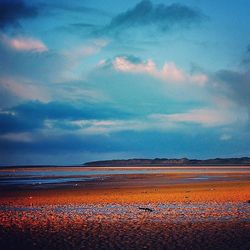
195, 208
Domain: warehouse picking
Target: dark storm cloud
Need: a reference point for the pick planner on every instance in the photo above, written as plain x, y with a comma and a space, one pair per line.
32, 115
12, 11
164, 17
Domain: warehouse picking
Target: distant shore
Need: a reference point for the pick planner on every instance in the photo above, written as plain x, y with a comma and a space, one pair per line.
172, 162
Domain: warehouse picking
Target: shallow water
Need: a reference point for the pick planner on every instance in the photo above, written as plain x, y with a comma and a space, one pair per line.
55, 175
40, 181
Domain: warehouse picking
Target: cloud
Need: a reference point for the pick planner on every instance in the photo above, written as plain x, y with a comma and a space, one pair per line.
12, 11
206, 117
94, 119
143, 88
76, 91
164, 122
233, 85
85, 50
12, 122
43, 128
65, 110
28, 70
231, 89
236, 84
35, 115
169, 72
28, 62
24, 89
106, 127
24, 44
163, 17
198, 118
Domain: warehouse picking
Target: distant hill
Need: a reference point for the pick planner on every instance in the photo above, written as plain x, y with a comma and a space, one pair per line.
171, 162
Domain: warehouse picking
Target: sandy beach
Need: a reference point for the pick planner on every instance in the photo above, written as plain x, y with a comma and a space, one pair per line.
177, 210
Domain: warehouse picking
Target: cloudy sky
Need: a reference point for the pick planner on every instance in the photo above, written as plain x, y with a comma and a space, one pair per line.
90, 80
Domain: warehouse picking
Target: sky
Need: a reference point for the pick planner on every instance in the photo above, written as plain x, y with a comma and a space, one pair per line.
96, 80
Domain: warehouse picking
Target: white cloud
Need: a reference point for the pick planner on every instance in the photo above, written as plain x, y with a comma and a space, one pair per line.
206, 117
24, 44
110, 126
24, 89
169, 72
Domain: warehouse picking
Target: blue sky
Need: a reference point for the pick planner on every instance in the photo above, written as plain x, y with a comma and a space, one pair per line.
94, 80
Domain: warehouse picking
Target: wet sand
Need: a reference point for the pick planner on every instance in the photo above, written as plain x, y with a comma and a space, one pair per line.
133, 211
